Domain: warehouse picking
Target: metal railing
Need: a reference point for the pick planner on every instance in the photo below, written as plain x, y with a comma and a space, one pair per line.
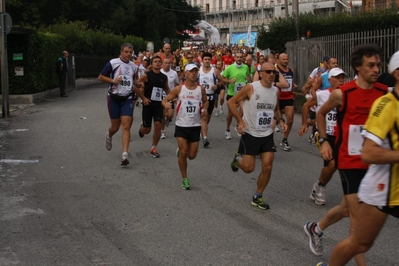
305, 55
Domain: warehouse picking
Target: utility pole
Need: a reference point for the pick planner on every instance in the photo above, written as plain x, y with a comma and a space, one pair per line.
286, 8
295, 13
3, 59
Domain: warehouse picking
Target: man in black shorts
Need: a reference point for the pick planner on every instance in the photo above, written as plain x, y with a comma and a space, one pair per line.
191, 104
155, 83
260, 105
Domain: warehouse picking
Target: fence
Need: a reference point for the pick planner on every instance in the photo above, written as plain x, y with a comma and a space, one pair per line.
305, 55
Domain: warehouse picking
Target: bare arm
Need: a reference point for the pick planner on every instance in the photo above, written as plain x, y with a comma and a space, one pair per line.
106, 79
334, 101
277, 115
282, 82
174, 94
244, 93
372, 153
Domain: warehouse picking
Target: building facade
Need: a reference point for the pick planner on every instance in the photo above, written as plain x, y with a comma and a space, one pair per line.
242, 13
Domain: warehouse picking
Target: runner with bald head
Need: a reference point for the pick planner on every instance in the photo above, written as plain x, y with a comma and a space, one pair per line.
259, 106
286, 96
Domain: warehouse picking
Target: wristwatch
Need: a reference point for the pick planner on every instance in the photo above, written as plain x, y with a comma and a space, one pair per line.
321, 140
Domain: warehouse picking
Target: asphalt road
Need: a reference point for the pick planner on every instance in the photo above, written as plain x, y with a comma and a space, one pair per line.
72, 203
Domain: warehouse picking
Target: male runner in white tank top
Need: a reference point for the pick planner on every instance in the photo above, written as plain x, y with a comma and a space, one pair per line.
260, 107
191, 104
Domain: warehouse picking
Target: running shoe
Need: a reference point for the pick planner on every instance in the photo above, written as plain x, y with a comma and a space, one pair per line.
108, 142
236, 129
276, 129
163, 135
221, 110
125, 161
185, 184
206, 142
318, 194
154, 153
177, 152
260, 203
315, 240
311, 139
285, 145
321, 264
227, 134
234, 163
216, 112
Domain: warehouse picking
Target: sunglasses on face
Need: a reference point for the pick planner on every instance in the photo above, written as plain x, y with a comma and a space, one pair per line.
269, 71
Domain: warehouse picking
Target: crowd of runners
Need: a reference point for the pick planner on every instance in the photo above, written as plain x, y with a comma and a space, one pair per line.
354, 124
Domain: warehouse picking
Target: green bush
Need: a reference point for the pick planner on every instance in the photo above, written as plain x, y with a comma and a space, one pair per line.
42, 48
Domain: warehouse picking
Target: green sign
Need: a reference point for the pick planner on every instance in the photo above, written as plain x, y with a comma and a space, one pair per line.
17, 56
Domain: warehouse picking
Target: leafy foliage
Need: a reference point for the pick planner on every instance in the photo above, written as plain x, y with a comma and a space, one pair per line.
282, 31
152, 20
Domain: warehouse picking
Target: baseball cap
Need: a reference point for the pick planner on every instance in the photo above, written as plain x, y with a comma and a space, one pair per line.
393, 63
326, 57
190, 67
336, 71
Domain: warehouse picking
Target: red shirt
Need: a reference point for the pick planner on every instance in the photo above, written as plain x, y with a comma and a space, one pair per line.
227, 60
351, 117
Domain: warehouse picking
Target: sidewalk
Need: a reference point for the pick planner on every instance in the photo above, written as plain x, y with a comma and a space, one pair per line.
21, 101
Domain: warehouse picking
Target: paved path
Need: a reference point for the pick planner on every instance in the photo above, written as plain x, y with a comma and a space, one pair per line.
77, 206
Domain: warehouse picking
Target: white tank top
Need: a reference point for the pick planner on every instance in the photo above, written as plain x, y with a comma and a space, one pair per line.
207, 80
189, 105
259, 110
331, 117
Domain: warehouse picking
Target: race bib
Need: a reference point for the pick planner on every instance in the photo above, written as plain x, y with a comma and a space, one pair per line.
355, 139
156, 94
289, 87
264, 120
125, 84
238, 86
191, 108
211, 97
207, 85
331, 121
177, 68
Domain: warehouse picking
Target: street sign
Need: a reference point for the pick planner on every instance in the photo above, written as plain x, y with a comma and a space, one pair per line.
7, 22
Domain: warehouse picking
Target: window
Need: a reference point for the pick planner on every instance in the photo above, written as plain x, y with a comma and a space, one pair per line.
207, 8
234, 4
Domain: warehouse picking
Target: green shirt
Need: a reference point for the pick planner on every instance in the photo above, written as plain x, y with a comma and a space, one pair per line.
240, 74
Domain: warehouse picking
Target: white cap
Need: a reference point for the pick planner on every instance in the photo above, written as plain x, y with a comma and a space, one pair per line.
190, 67
336, 71
393, 63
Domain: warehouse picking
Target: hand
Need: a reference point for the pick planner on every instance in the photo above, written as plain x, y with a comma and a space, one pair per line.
214, 87
146, 101
232, 80
303, 130
117, 80
326, 151
284, 127
241, 126
167, 105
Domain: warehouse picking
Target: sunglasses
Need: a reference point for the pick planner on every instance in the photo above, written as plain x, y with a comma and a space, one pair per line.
269, 71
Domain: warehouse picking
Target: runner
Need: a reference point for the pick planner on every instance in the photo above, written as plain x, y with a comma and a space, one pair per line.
173, 81
221, 88
336, 78
286, 96
121, 74
239, 73
208, 77
378, 191
260, 106
155, 84
353, 101
191, 103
